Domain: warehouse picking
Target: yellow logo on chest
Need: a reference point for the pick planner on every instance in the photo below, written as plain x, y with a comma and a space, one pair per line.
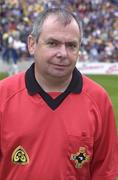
19, 156
80, 157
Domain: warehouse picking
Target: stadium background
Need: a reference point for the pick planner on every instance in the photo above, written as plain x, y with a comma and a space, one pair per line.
99, 44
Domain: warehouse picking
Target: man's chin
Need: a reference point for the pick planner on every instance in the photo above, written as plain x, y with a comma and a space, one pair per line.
60, 74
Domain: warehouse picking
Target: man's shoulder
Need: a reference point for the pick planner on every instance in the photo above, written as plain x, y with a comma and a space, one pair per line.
11, 80
90, 85
12, 85
94, 90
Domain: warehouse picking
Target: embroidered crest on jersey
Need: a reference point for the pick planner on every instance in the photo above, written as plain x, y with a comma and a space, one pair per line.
80, 157
19, 156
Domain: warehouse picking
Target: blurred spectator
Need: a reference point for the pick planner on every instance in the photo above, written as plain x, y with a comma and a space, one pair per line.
1, 38
100, 25
10, 54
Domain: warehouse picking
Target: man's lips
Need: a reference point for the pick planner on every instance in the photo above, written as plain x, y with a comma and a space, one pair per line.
60, 65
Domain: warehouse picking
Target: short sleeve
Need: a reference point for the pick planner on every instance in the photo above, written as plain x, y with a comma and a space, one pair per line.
105, 158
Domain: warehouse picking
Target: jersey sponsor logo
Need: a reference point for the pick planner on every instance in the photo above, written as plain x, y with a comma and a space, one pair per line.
80, 157
19, 156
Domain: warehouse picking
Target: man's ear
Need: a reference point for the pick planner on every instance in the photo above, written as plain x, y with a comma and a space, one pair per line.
31, 44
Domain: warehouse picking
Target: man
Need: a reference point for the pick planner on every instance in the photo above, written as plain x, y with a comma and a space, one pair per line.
55, 123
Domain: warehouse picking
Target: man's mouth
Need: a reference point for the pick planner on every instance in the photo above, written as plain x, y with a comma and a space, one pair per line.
61, 65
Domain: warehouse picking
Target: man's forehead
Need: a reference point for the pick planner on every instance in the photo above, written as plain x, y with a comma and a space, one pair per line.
52, 28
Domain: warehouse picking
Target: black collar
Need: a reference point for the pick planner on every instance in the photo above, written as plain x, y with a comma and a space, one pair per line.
33, 87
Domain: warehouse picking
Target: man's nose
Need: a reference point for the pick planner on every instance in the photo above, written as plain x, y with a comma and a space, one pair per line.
62, 51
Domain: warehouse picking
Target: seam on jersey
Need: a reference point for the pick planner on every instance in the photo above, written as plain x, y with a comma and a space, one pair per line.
3, 86
2, 121
94, 102
7, 98
0, 133
1, 129
105, 176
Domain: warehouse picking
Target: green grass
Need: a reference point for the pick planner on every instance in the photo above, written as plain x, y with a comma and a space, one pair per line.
110, 83
3, 75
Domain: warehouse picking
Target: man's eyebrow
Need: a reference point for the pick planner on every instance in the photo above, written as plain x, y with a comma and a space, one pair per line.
52, 39
58, 41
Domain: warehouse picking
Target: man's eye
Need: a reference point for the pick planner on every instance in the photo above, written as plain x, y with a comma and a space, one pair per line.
72, 46
52, 44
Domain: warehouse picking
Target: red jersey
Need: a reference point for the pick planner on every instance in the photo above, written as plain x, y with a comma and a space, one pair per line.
52, 136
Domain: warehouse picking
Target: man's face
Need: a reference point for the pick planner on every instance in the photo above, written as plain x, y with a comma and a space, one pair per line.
57, 49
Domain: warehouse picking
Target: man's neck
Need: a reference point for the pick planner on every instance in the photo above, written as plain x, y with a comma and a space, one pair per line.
51, 84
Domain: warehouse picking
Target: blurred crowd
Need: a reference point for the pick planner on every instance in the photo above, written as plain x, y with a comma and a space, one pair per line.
99, 19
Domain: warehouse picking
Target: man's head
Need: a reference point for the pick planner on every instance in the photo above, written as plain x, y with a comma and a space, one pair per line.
54, 42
